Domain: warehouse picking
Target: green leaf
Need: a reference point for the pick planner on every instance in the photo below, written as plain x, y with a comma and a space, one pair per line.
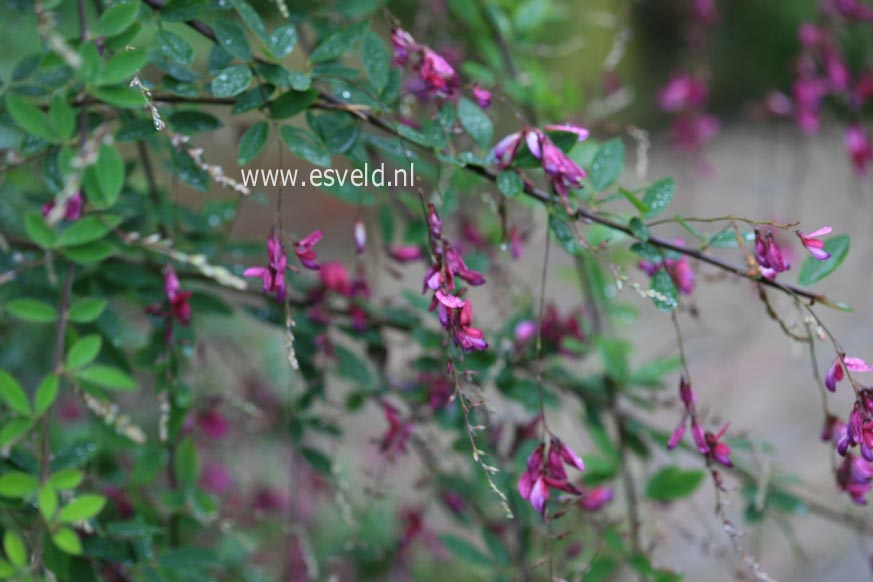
48, 501
376, 60
673, 483
67, 541
475, 122
252, 142
120, 96
641, 206
250, 17
117, 19
62, 116
14, 430
45, 395
814, 270
658, 196
303, 144
66, 479
82, 508
174, 47
14, 548
86, 310
464, 550
84, 351
510, 183
107, 377
232, 38
90, 253
38, 231
565, 235
187, 468
607, 165
352, 368
231, 81
337, 43
291, 103
668, 296
638, 228
122, 67
29, 117
17, 484
13, 394
282, 41
7, 570
317, 460
182, 10
108, 173
85, 230
194, 121
32, 310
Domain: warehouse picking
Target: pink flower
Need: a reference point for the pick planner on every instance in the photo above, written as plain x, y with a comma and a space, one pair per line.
809, 34
215, 479
718, 450
525, 331
679, 270
596, 498
769, 256
179, 307
398, 432
305, 252
682, 92
213, 424
563, 173
507, 148
836, 373
466, 337
438, 75
813, 244
482, 96
808, 93
273, 274
404, 46
855, 477
581, 133
404, 253
535, 482
857, 142
335, 278
360, 236
691, 131
73, 210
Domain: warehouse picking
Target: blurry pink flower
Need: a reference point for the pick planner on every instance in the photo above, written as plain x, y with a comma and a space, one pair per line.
73, 210
809, 34
395, 437
682, 92
335, 278
718, 450
581, 133
535, 482
595, 498
404, 46
360, 236
525, 331
813, 244
836, 373
808, 93
705, 12
213, 424
404, 253
857, 142
482, 96
269, 500
691, 131
215, 479
438, 75
304, 250
855, 477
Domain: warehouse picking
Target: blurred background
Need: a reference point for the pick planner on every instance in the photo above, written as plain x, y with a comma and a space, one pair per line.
746, 370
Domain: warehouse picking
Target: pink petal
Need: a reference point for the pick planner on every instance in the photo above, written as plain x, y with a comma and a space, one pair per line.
817, 253
677, 435
571, 458
539, 495
450, 301
255, 272
857, 365
820, 232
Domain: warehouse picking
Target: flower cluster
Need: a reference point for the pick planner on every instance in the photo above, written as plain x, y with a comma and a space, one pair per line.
686, 96
708, 444
855, 473
771, 257
273, 273
562, 172
454, 311
556, 330
178, 307
397, 434
434, 71
546, 470
72, 211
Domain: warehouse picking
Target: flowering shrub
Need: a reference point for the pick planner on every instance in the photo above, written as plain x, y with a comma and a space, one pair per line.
124, 458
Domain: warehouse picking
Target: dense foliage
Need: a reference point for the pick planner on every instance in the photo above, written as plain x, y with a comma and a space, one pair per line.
180, 404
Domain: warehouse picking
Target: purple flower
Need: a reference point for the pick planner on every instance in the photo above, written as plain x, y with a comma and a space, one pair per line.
682, 92
596, 498
213, 424
215, 479
859, 147
535, 482
482, 96
813, 244
73, 210
404, 46
438, 75
404, 253
769, 256
581, 133
680, 271
360, 236
306, 253
335, 278
395, 437
273, 274
835, 372
855, 477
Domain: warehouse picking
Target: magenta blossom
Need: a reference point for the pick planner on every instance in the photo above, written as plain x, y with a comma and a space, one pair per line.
404, 46
335, 278
539, 476
679, 270
813, 244
215, 479
859, 147
482, 96
73, 210
709, 445
581, 133
213, 424
434, 71
836, 373
360, 236
595, 498
769, 256
682, 92
397, 434
305, 252
177, 307
273, 274
404, 253
691, 131
855, 477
